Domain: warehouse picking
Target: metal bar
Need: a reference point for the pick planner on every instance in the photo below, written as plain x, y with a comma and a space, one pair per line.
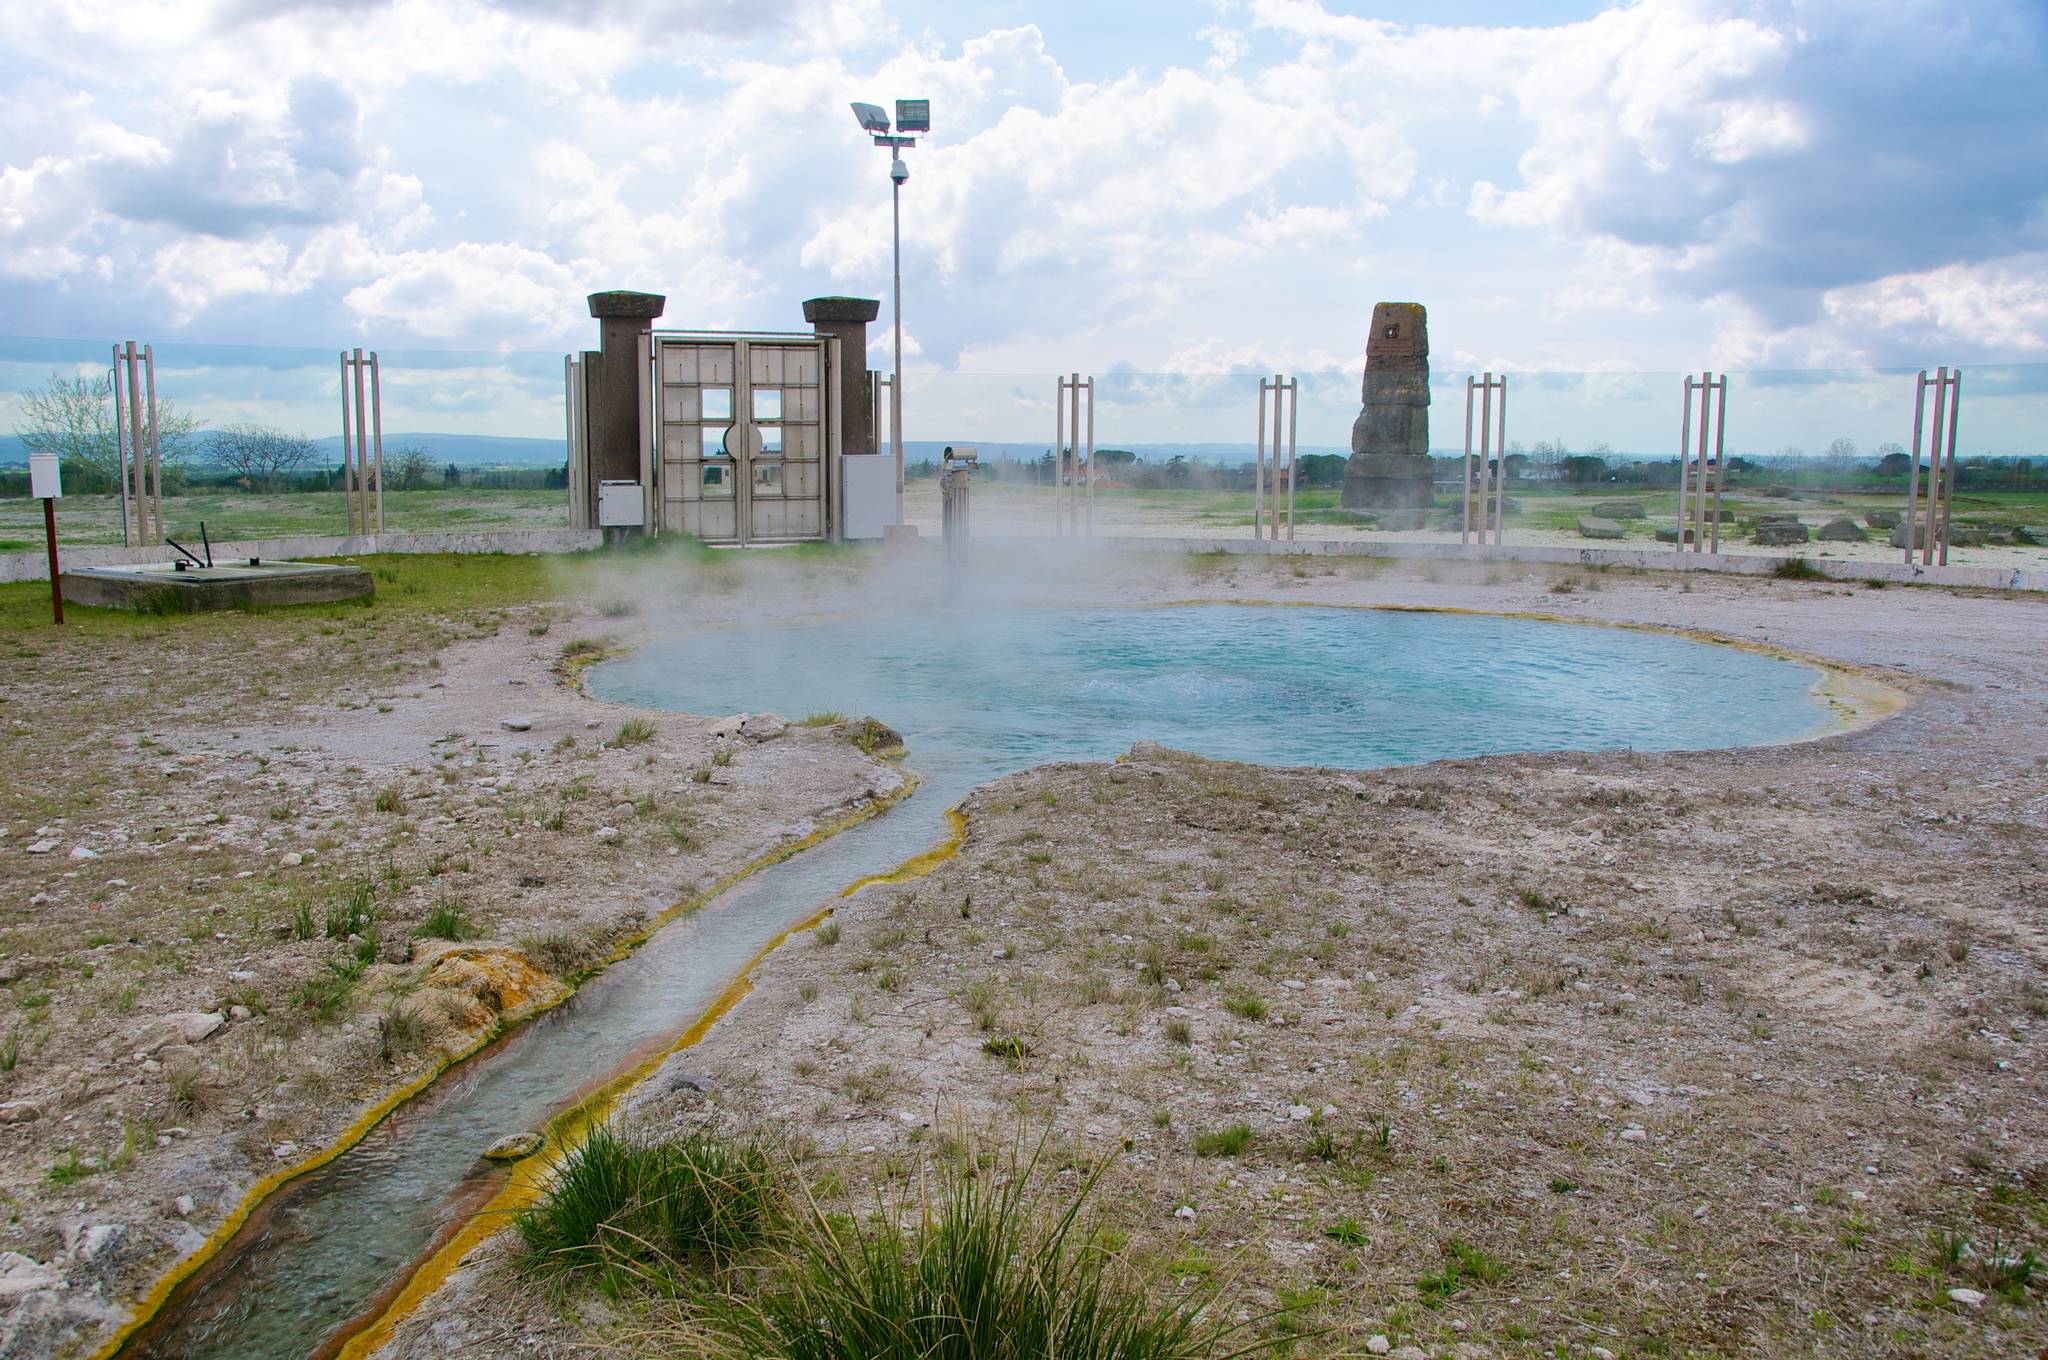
1948, 494
156, 458
1074, 438
569, 441
1485, 443
362, 444
1259, 469
1500, 443
1091, 459
1720, 465
1465, 523
206, 543
649, 393
348, 455
1913, 466
50, 546
120, 446
1934, 466
134, 377
1684, 460
377, 434
1293, 410
1699, 490
1059, 452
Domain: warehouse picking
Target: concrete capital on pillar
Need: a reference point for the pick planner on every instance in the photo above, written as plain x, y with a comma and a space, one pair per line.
839, 309
626, 306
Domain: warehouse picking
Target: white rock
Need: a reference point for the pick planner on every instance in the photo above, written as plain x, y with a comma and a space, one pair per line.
239, 1012
1297, 1113
607, 834
80, 852
97, 1239
21, 1275
180, 1027
1633, 1134
763, 727
41, 847
291, 859
1378, 1344
1184, 1211
184, 1206
285, 1151
521, 724
1969, 1298
729, 726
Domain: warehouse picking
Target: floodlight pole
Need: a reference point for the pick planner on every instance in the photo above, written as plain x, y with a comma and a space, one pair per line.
896, 388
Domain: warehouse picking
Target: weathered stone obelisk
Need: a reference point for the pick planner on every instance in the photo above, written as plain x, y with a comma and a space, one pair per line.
1390, 467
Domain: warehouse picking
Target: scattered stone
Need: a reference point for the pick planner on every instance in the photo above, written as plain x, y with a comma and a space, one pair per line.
1778, 534
1184, 1211
180, 1027
1378, 1344
2030, 537
1898, 536
80, 852
763, 727
1841, 529
20, 1112
285, 1151
183, 1206
41, 847
729, 726
623, 812
1968, 1298
20, 1275
239, 1012
97, 1240
1620, 510
1670, 533
1882, 519
514, 1147
1297, 1113
1634, 1133
607, 834
1592, 526
291, 859
516, 724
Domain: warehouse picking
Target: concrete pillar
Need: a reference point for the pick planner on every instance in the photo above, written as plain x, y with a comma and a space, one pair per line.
624, 319
847, 318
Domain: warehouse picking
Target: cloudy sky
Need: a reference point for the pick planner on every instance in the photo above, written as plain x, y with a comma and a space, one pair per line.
1776, 184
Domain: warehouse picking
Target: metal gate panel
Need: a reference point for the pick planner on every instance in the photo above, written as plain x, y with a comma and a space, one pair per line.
743, 438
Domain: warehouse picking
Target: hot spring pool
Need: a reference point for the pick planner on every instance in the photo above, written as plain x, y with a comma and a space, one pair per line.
977, 696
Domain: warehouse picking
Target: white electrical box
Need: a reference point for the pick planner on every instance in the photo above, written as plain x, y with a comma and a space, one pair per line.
44, 480
868, 484
620, 506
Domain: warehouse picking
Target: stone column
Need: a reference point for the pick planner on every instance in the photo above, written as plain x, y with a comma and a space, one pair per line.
624, 319
847, 318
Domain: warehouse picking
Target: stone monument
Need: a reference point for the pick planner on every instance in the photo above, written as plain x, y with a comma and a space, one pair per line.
1390, 467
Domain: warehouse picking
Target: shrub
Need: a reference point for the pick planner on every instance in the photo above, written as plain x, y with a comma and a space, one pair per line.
619, 1199
988, 1273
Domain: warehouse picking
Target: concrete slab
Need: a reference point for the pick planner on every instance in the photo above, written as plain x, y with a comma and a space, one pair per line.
253, 582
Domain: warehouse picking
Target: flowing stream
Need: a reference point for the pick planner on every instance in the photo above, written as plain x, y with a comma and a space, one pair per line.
977, 696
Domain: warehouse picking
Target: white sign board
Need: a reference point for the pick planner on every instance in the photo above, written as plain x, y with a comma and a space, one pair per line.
44, 481
868, 484
620, 506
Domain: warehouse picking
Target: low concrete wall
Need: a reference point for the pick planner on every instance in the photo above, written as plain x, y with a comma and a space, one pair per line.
1743, 564
35, 566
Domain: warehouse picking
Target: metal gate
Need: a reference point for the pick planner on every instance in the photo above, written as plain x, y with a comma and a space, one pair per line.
745, 437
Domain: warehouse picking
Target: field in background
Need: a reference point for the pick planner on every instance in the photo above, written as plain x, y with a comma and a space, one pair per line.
83, 520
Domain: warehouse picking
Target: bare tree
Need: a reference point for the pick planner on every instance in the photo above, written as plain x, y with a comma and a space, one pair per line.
260, 455
74, 419
409, 467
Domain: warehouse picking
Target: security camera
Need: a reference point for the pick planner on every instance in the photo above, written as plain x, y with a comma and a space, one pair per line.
898, 171
873, 118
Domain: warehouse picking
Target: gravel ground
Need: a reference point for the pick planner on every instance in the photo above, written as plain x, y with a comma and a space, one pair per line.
187, 1004
1719, 1053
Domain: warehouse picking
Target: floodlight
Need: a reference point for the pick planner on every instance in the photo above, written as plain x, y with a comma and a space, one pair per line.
913, 115
873, 117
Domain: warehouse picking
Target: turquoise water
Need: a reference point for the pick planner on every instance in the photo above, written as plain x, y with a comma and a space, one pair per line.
980, 695
976, 696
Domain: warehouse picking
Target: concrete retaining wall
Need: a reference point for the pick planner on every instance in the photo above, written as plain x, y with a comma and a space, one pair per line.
1740, 564
35, 566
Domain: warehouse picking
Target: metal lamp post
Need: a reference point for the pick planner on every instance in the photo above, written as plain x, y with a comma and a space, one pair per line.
912, 115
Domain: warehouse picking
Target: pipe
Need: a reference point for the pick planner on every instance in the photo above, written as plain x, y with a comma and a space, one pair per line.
1293, 410
134, 376
1091, 458
377, 428
362, 447
1485, 444
156, 460
1500, 442
1465, 524
120, 446
1934, 478
1259, 469
1948, 495
348, 455
1684, 461
1913, 466
1721, 470
1059, 453
1699, 500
